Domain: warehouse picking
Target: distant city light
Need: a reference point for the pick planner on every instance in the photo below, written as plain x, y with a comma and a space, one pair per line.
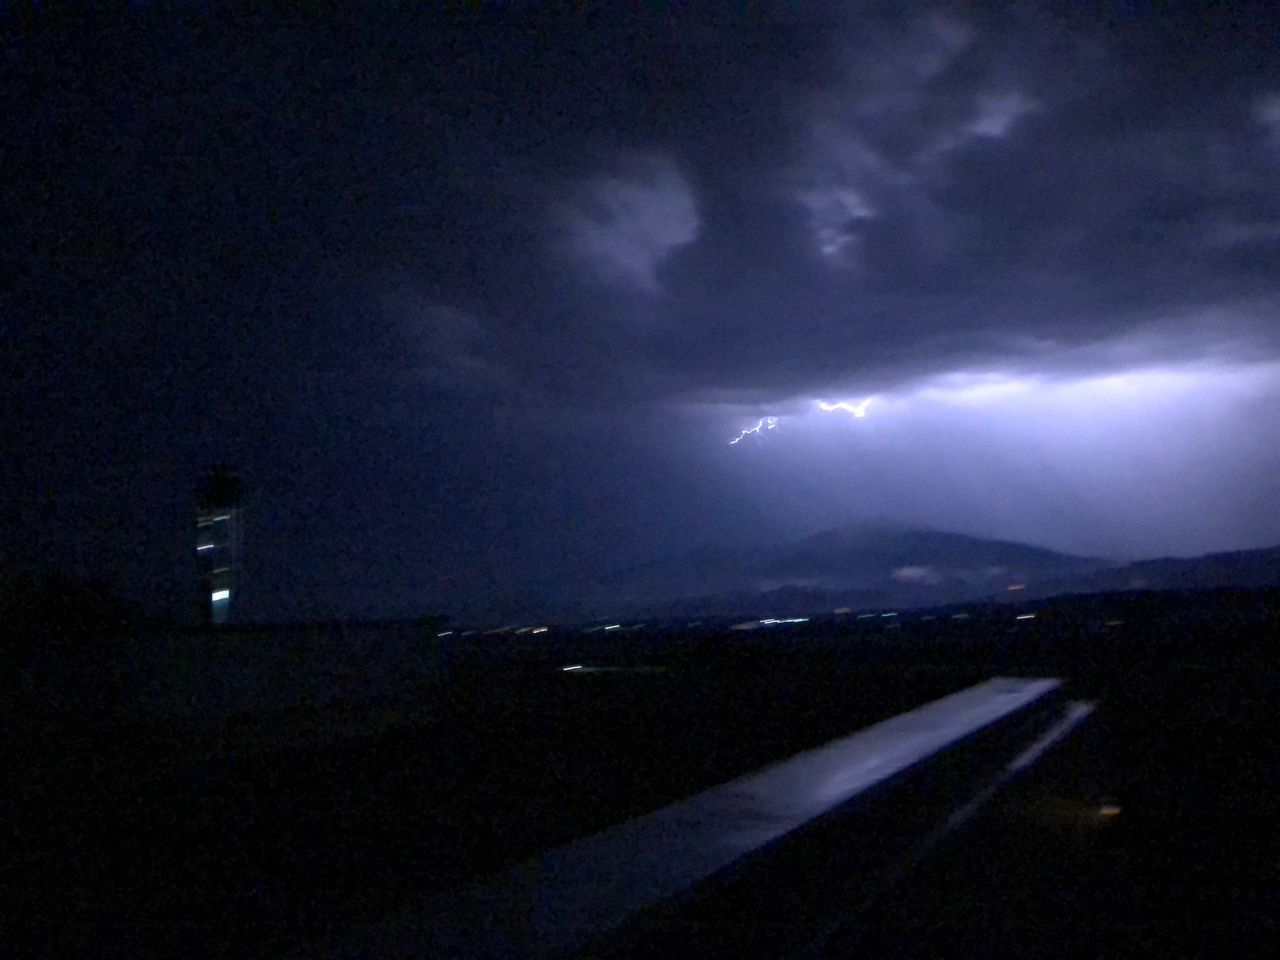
866, 616
446, 633
772, 620
888, 614
1016, 586
220, 595
1026, 616
541, 629
206, 546
959, 616
1109, 810
859, 410
575, 666
614, 626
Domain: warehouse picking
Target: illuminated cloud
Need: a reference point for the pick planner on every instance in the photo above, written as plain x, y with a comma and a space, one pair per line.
1267, 112
996, 115
853, 170
895, 69
970, 389
835, 214
622, 227
453, 350
879, 142
1226, 234
1101, 464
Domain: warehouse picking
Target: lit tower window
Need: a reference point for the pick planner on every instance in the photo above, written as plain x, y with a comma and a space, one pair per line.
218, 523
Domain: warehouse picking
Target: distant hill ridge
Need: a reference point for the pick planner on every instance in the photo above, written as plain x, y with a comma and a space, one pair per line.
884, 564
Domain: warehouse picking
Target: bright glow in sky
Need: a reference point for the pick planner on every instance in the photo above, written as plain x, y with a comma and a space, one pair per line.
1106, 461
1072, 399
1076, 399
859, 410
1149, 386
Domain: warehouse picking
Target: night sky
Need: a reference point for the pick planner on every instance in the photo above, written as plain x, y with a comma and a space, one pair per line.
476, 301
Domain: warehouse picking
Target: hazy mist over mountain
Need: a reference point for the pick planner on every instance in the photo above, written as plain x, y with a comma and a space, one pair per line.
885, 564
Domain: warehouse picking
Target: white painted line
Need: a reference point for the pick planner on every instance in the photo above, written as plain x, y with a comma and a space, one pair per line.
1075, 714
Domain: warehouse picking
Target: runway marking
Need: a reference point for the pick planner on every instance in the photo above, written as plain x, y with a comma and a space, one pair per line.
1076, 712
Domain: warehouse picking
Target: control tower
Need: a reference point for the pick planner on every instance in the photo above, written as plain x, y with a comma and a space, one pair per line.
218, 542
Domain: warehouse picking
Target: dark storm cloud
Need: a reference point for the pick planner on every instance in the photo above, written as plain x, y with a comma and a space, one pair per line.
478, 289
998, 206
754, 207
928, 191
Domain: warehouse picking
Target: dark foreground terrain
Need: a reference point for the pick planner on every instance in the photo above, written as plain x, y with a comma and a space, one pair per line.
277, 834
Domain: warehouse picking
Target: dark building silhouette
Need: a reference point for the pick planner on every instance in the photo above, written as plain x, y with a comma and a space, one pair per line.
218, 536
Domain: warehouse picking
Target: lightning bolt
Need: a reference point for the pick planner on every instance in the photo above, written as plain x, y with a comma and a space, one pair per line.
859, 410
765, 423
